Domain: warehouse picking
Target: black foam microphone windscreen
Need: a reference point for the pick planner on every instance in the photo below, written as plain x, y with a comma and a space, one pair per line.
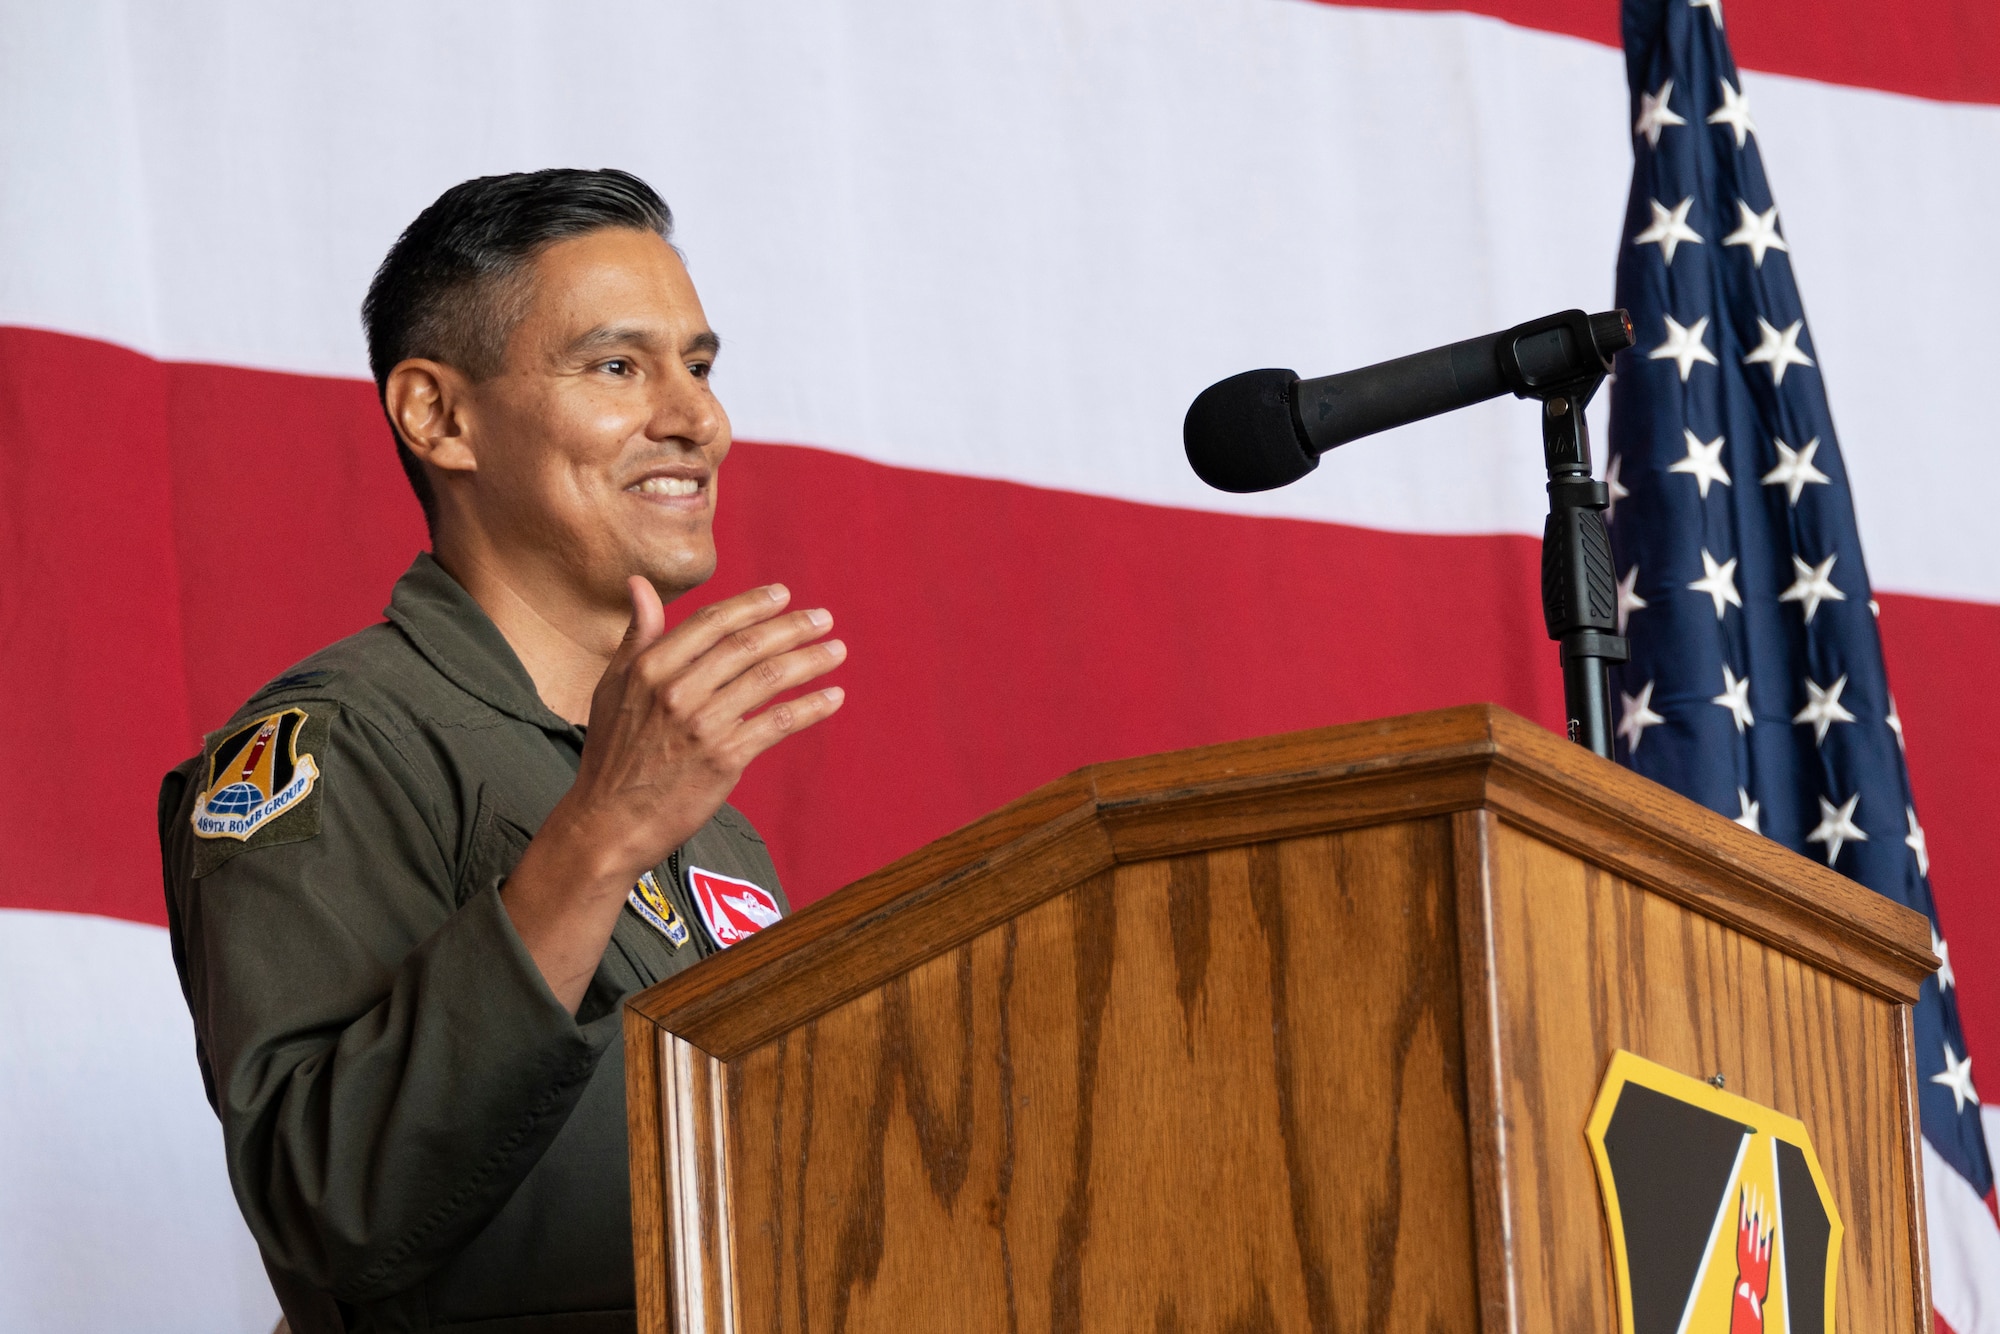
1241, 435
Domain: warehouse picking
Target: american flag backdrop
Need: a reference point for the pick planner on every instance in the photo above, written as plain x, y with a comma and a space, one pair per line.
970, 263
1756, 683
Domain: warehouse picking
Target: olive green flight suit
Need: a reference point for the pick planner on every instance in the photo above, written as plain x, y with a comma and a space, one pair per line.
420, 1136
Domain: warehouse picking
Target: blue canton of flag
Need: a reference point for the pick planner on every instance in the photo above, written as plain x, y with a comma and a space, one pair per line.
1756, 684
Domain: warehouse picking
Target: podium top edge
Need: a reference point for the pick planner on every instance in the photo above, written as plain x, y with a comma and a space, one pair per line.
1469, 758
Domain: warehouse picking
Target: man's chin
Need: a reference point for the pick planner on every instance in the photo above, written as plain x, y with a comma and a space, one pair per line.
676, 573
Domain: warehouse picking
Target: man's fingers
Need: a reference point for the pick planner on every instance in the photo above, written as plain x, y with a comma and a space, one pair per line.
768, 678
709, 626
750, 650
784, 718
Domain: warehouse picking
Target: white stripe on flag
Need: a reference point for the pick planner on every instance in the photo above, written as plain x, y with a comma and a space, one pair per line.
114, 1206
1965, 1246
1011, 240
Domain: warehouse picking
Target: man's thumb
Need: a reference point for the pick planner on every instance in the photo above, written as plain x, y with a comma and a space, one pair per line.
649, 618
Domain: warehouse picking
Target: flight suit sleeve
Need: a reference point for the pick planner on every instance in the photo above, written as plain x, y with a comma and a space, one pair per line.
384, 1055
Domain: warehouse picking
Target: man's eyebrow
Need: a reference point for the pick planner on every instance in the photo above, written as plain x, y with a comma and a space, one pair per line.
607, 336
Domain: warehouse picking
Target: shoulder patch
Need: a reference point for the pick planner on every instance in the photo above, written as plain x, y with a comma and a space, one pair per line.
260, 785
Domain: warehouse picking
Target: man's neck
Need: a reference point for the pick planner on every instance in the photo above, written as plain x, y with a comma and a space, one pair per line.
563, 643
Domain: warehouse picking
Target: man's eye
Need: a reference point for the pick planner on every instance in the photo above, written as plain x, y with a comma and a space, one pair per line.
699, 369
617, 366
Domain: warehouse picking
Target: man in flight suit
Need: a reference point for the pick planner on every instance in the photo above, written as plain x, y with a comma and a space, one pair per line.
408, 887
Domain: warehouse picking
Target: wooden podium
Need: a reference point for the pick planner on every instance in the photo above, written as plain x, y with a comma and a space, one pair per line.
1291, 1034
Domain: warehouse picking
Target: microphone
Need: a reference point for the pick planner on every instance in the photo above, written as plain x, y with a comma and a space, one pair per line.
1265, 429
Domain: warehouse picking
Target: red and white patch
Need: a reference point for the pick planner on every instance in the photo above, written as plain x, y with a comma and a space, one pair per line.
731, 909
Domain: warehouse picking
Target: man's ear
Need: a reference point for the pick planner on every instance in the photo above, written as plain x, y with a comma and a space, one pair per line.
429, 402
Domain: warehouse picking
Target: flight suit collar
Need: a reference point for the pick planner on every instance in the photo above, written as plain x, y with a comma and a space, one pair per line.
454, 632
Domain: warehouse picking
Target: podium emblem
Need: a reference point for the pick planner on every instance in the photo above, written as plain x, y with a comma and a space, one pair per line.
1720, 1217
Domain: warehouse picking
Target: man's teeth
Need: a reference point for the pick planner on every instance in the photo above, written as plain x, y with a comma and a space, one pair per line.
668, 486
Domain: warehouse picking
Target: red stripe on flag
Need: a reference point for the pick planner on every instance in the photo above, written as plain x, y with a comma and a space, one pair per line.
1941, 657
177, 534
1947, 51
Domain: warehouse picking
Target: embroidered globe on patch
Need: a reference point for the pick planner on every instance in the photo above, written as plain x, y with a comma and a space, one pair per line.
236, 799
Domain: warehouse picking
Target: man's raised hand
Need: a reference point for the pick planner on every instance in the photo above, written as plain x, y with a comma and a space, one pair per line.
681, 713
677, 717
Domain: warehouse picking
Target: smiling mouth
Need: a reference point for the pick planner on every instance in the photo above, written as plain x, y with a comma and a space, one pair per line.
668, 488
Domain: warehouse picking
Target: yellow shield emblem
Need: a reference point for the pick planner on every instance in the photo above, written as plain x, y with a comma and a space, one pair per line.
1720, 1217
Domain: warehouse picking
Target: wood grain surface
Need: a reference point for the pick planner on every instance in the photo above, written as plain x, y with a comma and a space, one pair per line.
643, 1108
1298, 1034
1252, 791
1205, 1093
1585, 964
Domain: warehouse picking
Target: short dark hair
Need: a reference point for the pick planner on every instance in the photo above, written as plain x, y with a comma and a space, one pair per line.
450, 288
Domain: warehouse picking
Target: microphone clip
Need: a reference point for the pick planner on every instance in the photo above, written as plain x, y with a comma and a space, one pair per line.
1565, 355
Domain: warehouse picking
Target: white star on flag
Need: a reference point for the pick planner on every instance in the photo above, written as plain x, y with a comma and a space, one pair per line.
1957, 1076
1714, 8
1735, 697
1779, 348
1655, 115
1836, 826
1629, 600
1748, 818
1718, 581
1895, 721
1757, 230
1684, 346
1824, 708
1916, 842
1813, 585
1795, 470
1615, 487
1670, 228
1734, 112
1638, 716
1703, 462
1941, 948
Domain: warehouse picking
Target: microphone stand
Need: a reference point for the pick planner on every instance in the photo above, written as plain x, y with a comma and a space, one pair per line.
1559, 360
1579, 580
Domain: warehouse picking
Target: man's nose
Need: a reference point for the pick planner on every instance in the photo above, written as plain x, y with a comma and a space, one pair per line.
683, 408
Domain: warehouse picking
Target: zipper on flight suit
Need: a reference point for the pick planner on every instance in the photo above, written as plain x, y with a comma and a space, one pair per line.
702, 944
